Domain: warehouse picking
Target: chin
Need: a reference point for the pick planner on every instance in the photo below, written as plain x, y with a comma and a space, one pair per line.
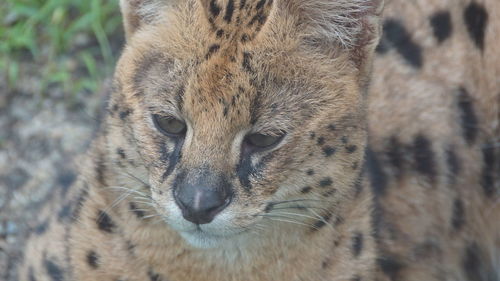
203, 240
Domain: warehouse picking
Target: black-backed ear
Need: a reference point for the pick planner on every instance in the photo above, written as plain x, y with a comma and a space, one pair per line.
332, 25
139, 12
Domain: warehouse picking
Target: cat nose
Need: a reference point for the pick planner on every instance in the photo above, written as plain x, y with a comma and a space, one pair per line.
200, 203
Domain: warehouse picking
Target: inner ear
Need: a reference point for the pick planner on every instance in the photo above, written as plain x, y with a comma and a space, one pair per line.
137, 13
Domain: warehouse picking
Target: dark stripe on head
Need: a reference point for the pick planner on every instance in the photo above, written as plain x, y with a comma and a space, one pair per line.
214, 8
229, 11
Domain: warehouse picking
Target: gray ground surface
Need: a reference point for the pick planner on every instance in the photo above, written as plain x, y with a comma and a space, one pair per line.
41, 133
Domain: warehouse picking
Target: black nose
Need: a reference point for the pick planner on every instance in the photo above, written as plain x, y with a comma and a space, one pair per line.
201, 203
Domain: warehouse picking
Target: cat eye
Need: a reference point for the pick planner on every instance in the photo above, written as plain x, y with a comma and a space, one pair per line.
263, 141
169, 126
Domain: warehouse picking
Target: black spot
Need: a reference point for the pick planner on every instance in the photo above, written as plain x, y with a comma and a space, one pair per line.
424, 157
260, 4
246, 62
320, 141
453, 163
468, 116
488, 172
390, 267
326, 263
214, 8
395, 156
244, 38
305, 189
476, 19
104, 222
130, 247
153, 276
211, 50
310, 172
471, 263
332, 127
42, 227
137, 212
125, 113
312, 135
65, 213
382, 47
441, 25
326, 182
458, 214
399, 38
229, 11
344, 139
328, 151
53, 270
31, 274
121, 153
356, 278
322, 222
269, 207
329, 193
351, 148
65, 179
377, 176
219, 33
92, 259
357, 244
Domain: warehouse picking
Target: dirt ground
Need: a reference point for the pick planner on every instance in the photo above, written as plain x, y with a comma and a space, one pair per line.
41, 133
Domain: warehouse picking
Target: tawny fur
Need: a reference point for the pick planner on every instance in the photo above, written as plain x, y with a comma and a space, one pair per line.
423, 207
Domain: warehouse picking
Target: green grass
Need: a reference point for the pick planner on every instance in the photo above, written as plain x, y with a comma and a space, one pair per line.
68, 43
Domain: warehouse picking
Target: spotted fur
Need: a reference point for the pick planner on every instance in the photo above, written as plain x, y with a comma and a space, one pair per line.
396, 179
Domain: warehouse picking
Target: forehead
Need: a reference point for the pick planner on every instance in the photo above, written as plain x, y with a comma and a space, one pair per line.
203, 69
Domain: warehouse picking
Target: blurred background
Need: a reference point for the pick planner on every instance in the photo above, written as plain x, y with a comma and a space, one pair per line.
56, 62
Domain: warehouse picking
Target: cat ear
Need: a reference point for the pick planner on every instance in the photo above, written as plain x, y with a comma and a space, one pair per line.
139, 12
345, 25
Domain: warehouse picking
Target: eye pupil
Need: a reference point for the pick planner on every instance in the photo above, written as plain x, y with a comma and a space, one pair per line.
262, 141
169, 125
